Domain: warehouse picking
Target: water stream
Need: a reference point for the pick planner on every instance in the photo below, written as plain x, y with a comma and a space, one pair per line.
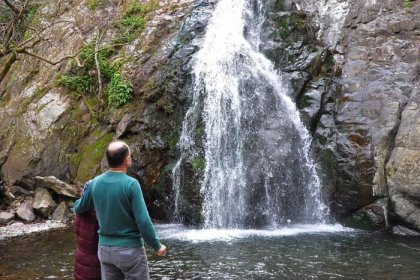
299, 252
258, 170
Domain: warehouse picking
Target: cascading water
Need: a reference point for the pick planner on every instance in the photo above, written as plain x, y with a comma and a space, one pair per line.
258, 172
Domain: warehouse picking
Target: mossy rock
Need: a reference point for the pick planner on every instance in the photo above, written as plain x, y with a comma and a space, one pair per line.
90, 155
359, 221
198, 163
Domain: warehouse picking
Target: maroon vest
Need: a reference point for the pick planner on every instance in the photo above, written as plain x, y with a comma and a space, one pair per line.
86, 265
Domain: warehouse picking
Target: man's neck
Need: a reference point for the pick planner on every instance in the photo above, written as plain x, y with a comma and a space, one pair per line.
118, 169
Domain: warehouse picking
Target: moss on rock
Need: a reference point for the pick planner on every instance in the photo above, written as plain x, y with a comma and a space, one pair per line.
89, 157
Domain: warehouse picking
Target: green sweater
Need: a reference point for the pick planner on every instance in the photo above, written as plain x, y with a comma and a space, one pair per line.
122, 214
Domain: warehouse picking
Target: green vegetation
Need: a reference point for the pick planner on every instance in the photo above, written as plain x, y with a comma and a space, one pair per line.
172, 141
129, 28
83, 80
199, 131
198, 163
408, 3
135, 7
279, 6
132, 23
119, 90
30, 13
75, 83
87, 55
90, 155
94, 4
5, 14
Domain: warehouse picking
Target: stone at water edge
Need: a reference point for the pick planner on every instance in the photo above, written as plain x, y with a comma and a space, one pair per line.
58, 186
6, 217
401, 230
61, 213
19, 191
25, 212
43, 202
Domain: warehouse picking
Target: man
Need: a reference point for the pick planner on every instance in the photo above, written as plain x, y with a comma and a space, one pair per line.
123, 218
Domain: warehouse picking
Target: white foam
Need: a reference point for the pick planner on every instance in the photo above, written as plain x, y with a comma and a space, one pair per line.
178, 232
18, 229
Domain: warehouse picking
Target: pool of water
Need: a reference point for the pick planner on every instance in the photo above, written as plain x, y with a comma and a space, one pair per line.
298, 252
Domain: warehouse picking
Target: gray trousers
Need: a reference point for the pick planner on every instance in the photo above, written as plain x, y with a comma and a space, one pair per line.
118, 263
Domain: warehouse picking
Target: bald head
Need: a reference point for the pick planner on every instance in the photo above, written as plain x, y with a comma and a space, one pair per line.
116, 153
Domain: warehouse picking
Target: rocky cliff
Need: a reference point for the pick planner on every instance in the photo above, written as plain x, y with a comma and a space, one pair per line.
367, 129
54, 120
353, 68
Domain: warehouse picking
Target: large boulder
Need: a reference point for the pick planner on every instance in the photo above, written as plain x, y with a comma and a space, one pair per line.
58, 186
25, 212
403, 168
6, 217
61, 213
43, 202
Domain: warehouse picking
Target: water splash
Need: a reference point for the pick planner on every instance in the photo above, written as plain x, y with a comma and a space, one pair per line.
178, 232
258, 171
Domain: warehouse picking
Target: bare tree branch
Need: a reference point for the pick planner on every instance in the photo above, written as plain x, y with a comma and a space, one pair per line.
25, 51
7, 65
98, 67
12, 7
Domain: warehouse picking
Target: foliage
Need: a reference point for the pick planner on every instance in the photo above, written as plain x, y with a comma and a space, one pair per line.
119, 90
30, 13
87, 55
5, 14
408, 3
75, 83
199, 131
94, 4
198, 163
132, 23
19, 25
135, 7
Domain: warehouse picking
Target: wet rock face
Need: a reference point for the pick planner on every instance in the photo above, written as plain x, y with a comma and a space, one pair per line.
402, 169
363, 125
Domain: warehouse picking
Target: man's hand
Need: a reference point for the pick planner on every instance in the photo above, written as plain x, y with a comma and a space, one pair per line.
162, 251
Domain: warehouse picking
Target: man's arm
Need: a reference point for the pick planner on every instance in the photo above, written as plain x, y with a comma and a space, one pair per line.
85, 202
144, 223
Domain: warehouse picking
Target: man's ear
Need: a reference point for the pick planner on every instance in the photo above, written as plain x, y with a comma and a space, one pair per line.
128, 160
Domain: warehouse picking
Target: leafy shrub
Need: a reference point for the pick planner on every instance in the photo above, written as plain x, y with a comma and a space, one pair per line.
132, 23
87, 55
94, 4
135, 7
75, 83
198, 163
408, 3
30, 13
119, 90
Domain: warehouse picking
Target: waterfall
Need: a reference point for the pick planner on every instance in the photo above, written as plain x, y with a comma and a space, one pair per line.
258, 171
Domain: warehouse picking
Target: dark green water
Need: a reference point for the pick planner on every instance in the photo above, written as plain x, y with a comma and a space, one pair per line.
212, 254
